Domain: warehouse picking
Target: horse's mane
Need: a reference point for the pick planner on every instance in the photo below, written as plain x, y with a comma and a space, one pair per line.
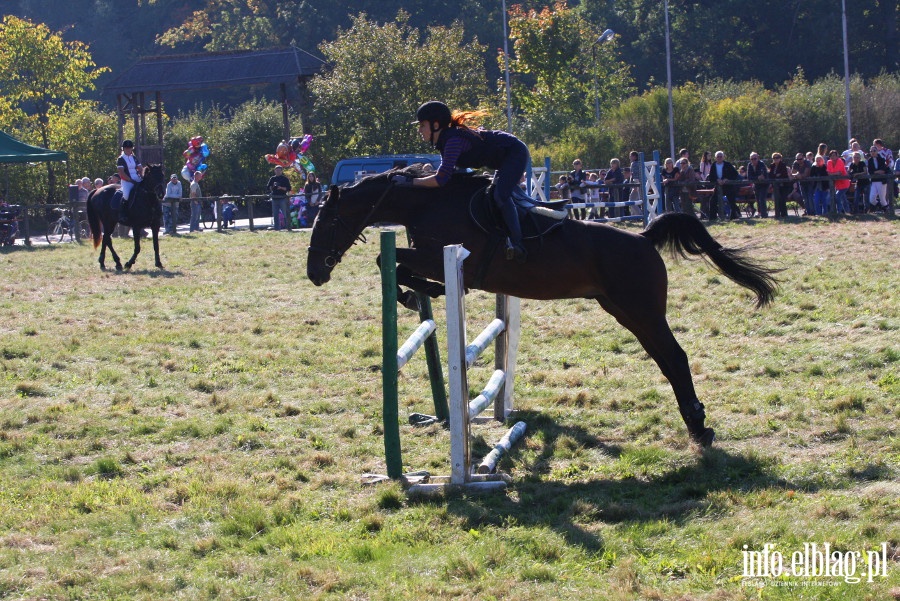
418, 170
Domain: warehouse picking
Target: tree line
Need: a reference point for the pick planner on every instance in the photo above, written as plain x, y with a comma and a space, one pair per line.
381, 70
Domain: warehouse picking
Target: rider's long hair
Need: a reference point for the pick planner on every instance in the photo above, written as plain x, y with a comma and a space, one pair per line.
463, 118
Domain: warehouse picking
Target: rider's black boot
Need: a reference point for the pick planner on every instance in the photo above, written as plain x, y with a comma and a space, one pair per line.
515, 250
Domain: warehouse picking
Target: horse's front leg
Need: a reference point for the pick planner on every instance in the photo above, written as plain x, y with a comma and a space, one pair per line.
418, 268
137, 247
406, 276
156, 247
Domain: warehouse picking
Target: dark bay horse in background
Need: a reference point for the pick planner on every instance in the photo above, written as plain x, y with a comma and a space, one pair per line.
146, 211
623, 271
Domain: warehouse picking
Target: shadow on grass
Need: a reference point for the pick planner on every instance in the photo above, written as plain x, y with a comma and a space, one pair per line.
676, 495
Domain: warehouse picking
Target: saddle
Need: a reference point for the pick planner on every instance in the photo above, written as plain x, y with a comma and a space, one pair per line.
536, 218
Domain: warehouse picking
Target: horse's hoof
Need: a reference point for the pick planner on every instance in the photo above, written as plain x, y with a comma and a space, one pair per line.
118, 267
160, 266
409, 300
705, 438
128, 266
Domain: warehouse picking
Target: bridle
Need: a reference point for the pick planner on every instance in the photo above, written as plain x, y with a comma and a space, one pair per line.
333, 256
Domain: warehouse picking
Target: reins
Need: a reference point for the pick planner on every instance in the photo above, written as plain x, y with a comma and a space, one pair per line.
332, 255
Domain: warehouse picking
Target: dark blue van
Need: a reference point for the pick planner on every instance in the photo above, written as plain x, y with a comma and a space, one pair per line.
350, 170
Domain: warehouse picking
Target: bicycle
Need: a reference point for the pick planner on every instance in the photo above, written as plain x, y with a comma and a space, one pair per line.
9, 224
207, 217
65, 226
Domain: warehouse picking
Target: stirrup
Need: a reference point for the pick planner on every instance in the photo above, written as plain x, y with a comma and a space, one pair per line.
515, 252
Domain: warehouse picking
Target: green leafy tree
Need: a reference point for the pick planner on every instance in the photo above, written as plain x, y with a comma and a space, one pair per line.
380, 75
560, 71
41, 72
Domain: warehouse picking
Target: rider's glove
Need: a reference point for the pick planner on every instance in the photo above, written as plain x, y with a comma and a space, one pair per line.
403, 181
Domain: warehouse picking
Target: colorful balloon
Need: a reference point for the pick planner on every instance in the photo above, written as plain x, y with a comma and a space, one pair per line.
204, 150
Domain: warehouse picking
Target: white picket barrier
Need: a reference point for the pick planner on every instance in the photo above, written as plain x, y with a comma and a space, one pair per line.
504, 332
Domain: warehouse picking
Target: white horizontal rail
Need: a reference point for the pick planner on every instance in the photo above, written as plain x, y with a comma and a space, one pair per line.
486, 337
414, 342
489, 464
487, 396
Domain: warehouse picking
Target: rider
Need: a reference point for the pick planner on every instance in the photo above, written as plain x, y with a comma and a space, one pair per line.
463, 146
129, 169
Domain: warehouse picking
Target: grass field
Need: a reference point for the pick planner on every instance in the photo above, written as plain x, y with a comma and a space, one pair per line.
200, 432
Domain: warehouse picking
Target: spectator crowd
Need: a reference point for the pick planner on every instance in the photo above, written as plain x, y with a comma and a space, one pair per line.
851, 181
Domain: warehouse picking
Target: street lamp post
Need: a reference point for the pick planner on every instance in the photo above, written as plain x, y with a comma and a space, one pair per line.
669, 86
846, 69
506, 72
604, 37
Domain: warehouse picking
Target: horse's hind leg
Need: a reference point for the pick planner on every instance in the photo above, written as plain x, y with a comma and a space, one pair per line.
107, 243
652, 330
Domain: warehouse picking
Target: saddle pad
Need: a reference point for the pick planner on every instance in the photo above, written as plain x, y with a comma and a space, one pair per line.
536, 221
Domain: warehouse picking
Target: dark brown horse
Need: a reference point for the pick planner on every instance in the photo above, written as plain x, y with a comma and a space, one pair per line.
145, 211
621, 270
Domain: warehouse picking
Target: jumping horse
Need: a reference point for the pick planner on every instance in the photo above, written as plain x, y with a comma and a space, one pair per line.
621, 270
146, 211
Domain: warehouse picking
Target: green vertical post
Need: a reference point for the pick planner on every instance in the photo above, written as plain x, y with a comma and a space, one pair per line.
433, 360
392, 453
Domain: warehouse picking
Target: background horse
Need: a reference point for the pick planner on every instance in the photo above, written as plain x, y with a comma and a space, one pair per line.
146, 211
621, 270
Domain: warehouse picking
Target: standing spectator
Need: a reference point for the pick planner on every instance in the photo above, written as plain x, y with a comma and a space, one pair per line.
685, 154
820, 192
592, 188
847, 155
705, 166
780, 190
885, 152
170, 204
800, 171
877, 166
577, 178
723, 174
859, 171
313, 192
637, 176
670, 190
98, 183
836, 166
822, 150
279, 186
757, 173
614, 180
687, 182
563, 187
84, 189
196, 195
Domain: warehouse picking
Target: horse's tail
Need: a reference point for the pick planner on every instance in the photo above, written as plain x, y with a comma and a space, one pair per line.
683, 234
93, 219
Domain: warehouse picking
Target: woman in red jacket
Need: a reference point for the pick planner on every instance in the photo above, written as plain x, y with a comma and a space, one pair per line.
836, 166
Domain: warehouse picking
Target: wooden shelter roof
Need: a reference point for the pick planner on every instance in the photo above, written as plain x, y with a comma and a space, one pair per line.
216, 70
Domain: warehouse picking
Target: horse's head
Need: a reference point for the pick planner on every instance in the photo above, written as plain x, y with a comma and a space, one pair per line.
342, 217
154, 179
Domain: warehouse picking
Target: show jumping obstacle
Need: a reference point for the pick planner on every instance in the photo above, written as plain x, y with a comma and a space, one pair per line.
503, 331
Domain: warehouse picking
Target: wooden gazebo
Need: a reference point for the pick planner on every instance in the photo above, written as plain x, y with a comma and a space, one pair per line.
139, 90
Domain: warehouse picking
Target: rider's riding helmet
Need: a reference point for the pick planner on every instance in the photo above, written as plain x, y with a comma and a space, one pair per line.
127, 144
432, 111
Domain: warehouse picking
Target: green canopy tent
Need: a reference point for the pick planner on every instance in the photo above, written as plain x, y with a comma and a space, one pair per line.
14, 151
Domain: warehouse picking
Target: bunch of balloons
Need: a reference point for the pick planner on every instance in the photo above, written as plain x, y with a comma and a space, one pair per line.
195, 156
290, 155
